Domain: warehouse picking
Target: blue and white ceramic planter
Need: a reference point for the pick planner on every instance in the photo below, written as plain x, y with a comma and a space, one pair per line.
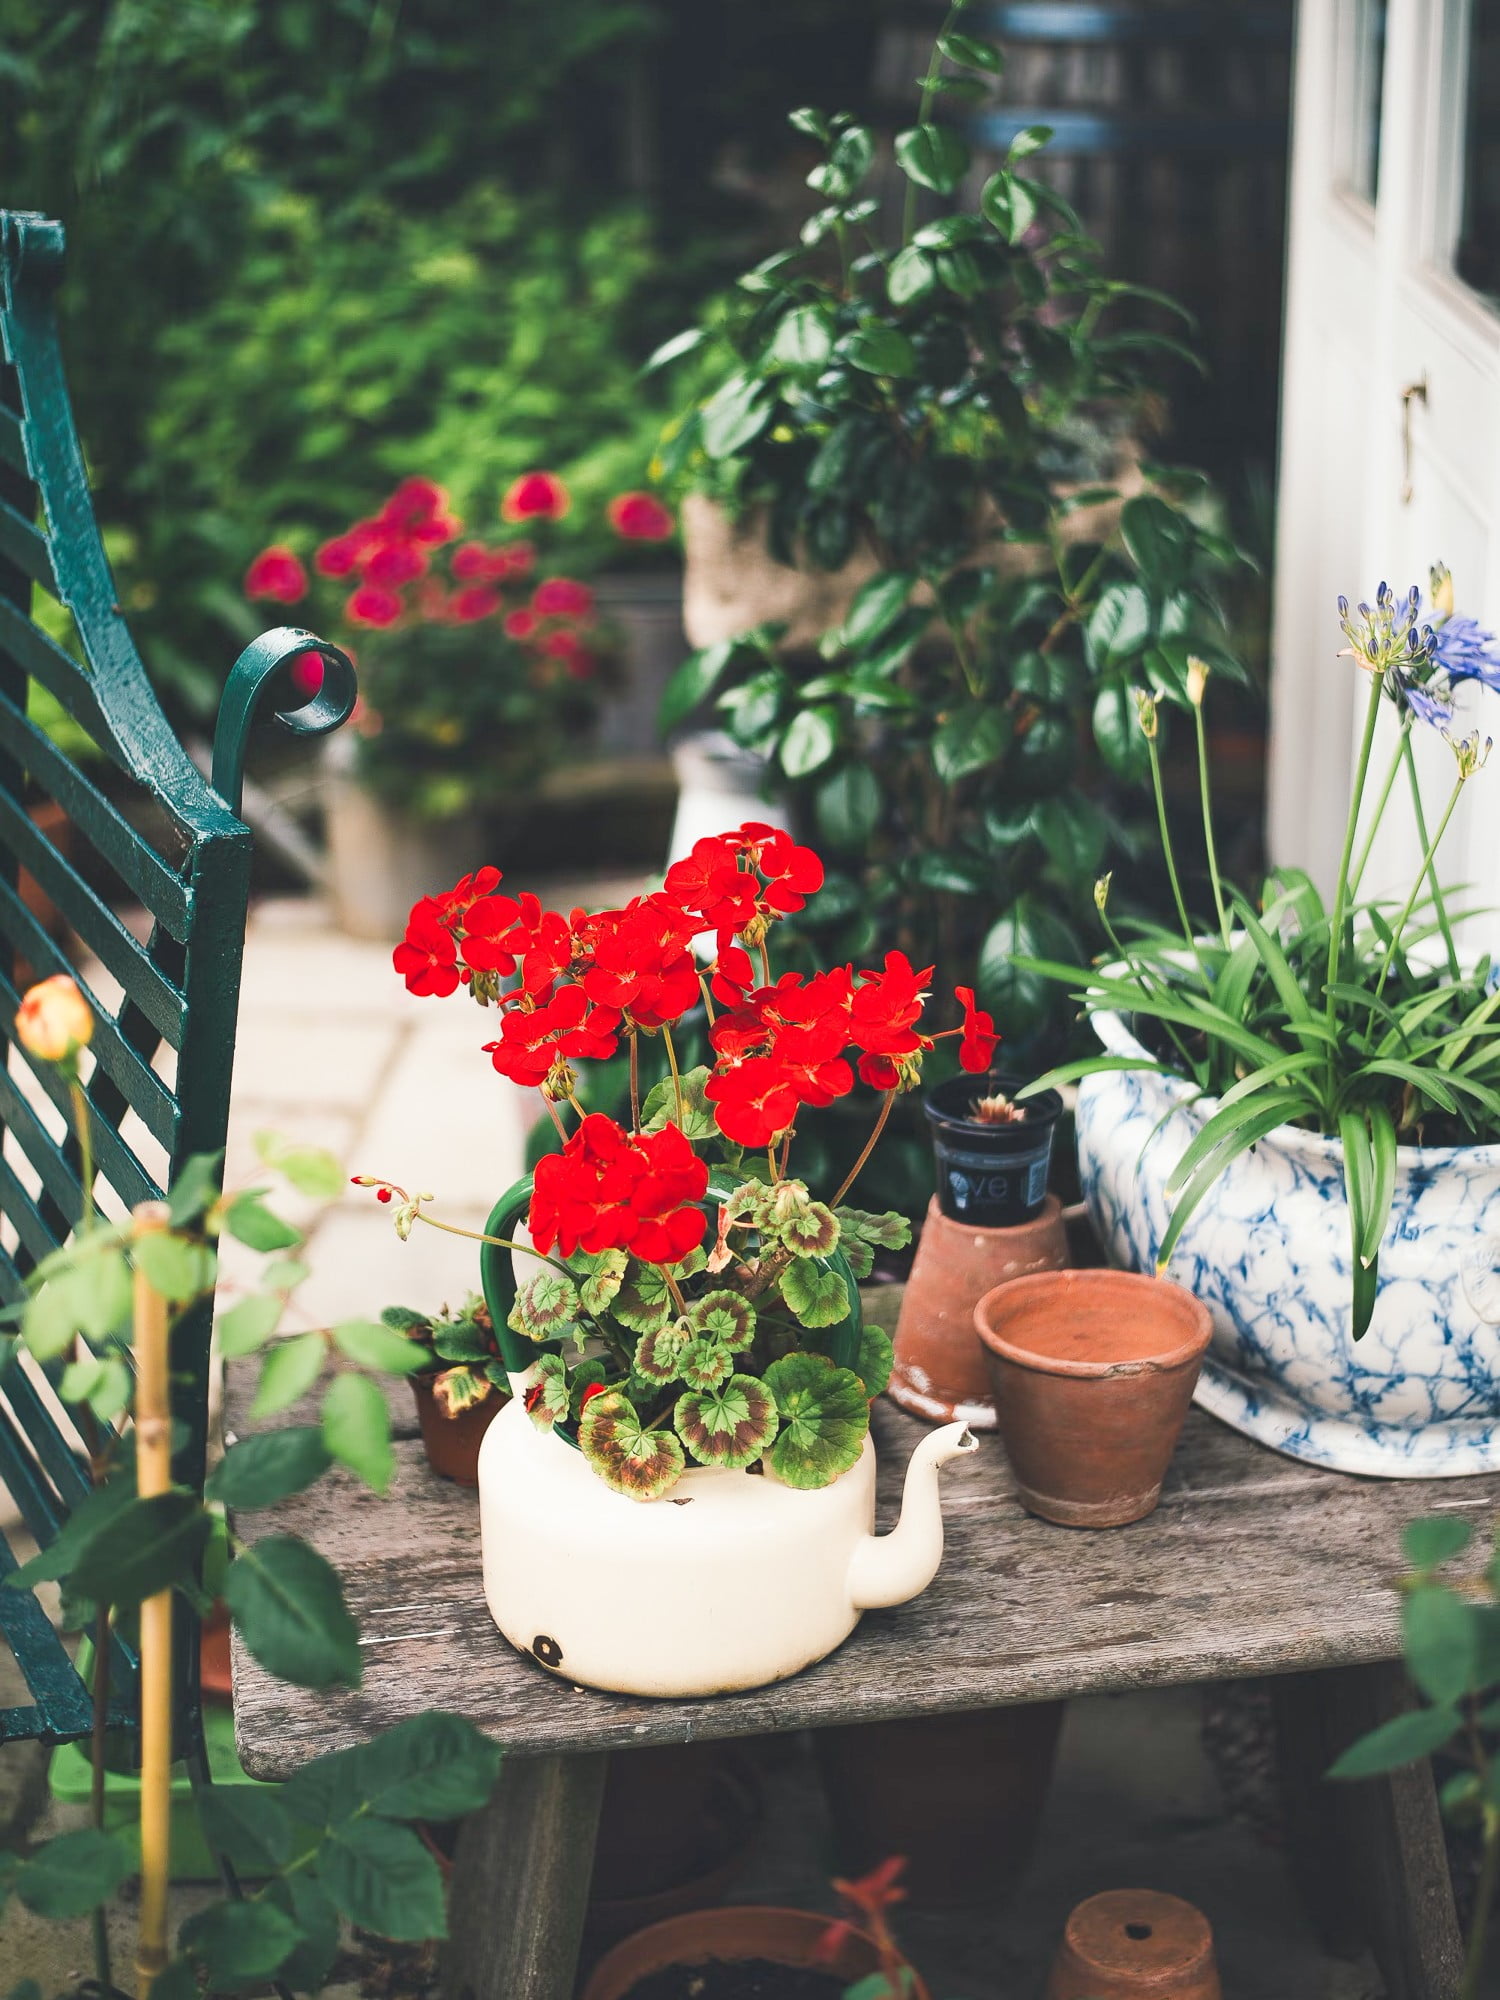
1268, 1251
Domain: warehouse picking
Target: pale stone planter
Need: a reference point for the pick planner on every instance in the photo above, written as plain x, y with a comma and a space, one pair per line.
381, 860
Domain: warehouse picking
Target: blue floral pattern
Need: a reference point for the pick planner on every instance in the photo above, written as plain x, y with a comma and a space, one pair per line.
1268, 1251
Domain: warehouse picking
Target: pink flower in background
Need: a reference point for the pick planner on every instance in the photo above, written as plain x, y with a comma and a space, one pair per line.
640, 517
536, 496
561, 597
467, 607
394, 564
521, 624
343, 554
520, 559
276, 574
414, 502
307, 671
373, 605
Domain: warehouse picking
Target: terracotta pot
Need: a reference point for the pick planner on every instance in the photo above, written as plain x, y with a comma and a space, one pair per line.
1133, 1944
452, 1443
1093, 1372
215, 1681
940, 1371
961, 1796
790, 1938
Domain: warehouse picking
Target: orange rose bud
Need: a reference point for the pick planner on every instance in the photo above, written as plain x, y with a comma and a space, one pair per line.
54, 1021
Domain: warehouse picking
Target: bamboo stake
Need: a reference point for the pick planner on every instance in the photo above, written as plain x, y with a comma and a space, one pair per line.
153, 1459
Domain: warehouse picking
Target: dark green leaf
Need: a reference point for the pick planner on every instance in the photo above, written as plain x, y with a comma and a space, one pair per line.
970, 52
809, 742
382, 1878
881, 350
269, 1466
847, 807
1119, 625
195, 1188
693, 682
432, 1766
1117, 731
73, 1874
1031, 140
357, 1429
1159, 539
87, 1520
911, 276
1442, 1642
259, 1228
1434, 1539
147, 1546
970, 739
1009, 205
736, 413
250, 1825
239, 1944
932, 156
802, 342
876, 607
289, 1606
1400, 1741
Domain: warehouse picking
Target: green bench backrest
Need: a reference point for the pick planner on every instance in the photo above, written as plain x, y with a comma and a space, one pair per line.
144, 830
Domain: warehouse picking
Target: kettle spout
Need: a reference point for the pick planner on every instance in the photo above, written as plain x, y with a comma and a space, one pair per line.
888, 1569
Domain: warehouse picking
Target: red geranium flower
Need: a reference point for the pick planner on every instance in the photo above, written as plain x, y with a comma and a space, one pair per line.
542, 942
977, 1049
344, 553
478, 601
561, 597
394, 563
372, 605
608, 1191
276, 574
753, 1102
534, 1041
641, 960
520, 624
887, 1006
640, 517
427, 957
536, 496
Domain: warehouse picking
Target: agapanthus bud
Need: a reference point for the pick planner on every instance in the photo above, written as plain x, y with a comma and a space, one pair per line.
1145, 703
1101, 891
54, 1021
1472, 755
1197, 679
1441, 578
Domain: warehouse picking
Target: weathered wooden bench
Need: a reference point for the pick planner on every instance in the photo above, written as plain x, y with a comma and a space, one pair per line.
135, 825
1252, 1565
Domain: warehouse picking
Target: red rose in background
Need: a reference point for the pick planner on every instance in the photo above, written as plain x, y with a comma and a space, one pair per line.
561, 597
307, 672
373, 606
394, 564
467, 607
276, 574
536, 496
640, 517
520, 624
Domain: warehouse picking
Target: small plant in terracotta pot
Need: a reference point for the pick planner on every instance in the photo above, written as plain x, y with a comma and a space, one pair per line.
463, 1388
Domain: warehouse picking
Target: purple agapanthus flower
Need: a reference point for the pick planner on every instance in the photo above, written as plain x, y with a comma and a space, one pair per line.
1425, 703
1466, 652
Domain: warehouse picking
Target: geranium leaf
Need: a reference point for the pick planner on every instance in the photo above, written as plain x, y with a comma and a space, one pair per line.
814, 1294
602, 1277
459, 1389
826, 1415
860, 1258
547, 1395
730, 1425
727, 1316
887, 1232
876, 1355
812, 1230
658, 1354
705, 1364
661, 1106
546, 1307
643, 1301
639, 1463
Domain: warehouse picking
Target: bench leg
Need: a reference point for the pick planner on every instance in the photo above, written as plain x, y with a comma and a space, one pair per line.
1369, 1856
521, 1882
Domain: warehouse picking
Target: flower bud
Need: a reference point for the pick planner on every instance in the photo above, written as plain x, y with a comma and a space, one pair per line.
1101, 891
54, 1021
1197, 679
1145, 703
1442, 591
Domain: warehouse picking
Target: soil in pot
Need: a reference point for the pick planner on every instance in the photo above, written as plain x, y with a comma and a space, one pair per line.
751, 1979
774, 1954
1093, 1373
991, 1171
452, 1443
961, 1796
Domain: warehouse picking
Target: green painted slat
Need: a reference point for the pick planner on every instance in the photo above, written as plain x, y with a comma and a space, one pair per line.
63, 1704
58, 1455
144, 1090
35, 1497
12, 450
19, 1207
94, 921
138, 865
35, 654
40, 1148
27, 547
112, 1156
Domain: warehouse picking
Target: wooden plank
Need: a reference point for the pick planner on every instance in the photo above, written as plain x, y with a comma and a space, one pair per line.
1370, 1857
1253, 1564
522, 1863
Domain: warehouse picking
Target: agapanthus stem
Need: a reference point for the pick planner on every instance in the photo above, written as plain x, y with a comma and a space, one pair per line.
1380, 805
869, 1146
1168, 855
1341, 888
1206, 801
1428, 856
1439, 907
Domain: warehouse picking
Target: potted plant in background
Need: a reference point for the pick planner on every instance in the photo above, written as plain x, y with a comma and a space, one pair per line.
478, 675
1298, 1106
463, 1386
925, 433
696, 1315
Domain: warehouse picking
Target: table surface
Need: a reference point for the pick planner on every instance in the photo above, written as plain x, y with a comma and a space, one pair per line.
1252, 1564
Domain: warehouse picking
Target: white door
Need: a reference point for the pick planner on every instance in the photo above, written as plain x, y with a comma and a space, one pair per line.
1390, 447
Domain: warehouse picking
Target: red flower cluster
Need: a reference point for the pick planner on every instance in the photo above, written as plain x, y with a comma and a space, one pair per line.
583, 982
608, 1191
640, 517
276, 574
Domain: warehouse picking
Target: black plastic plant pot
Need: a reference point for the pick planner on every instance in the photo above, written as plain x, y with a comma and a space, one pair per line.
994, 1176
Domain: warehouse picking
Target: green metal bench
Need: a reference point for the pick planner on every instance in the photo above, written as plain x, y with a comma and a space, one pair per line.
144, 829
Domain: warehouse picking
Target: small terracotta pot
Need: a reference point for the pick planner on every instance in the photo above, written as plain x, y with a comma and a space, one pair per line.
961, 1796
1093, 1372
792, 1938
452, 1443
940, 1370
1133, 1944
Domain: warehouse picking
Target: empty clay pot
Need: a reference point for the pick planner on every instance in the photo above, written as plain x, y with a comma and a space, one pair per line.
452, 1443
1133, 1944
940, 1370
1093, 1372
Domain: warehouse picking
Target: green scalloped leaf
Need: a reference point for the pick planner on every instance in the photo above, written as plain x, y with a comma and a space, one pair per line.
730, 1425
658, 1354
728, 1317
583, 1378
876, 1355
644, 1300
814, 1294
546, 1307
705, 1364
660, 1108
812, 1231
641, 1464
860, 1258
601, 1278
547, 1394
886, 1232
826, 1414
